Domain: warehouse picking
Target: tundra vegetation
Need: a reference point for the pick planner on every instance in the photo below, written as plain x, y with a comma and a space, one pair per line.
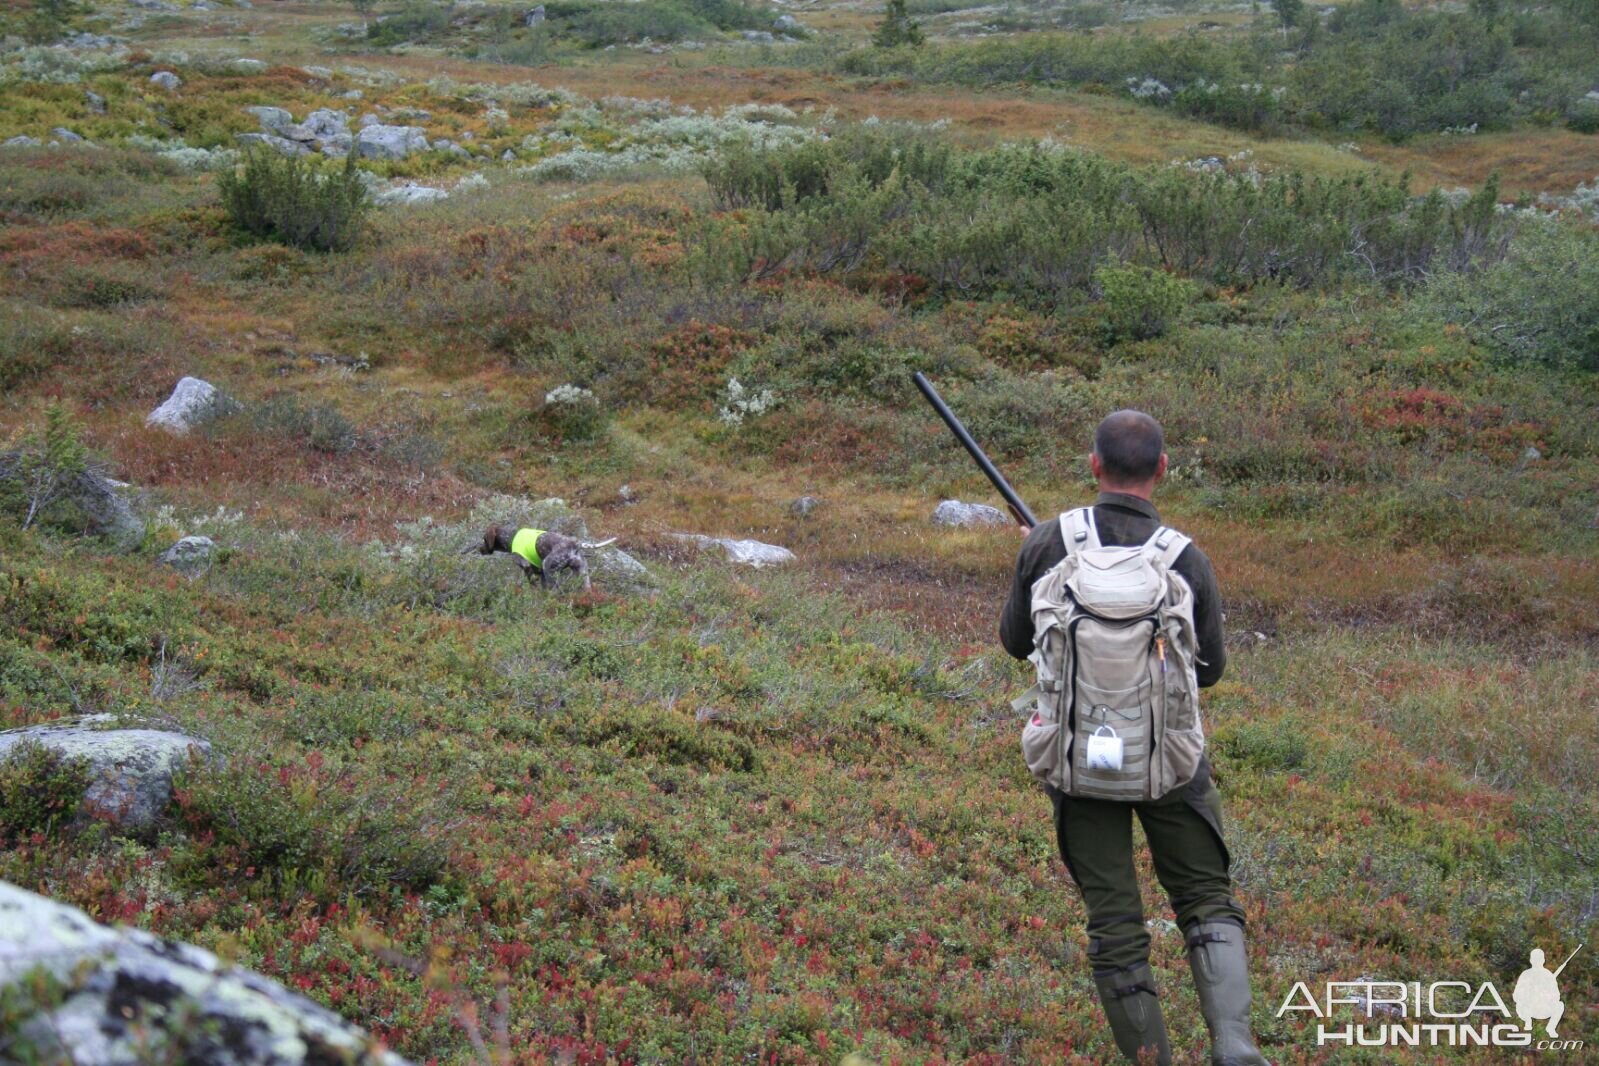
1349, 259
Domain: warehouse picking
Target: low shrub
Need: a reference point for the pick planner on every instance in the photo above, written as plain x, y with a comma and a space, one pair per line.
320, 427
1583, 117
295, 201
1139, 302
45, 471
1539, 304
572, 413
40, 788
306, 828
105, 285
414, 22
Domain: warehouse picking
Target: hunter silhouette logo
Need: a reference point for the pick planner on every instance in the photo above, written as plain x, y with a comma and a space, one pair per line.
1537, 992
1439, 1014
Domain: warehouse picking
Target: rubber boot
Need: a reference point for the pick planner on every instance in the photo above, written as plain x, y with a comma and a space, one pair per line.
1221, 977
1134, 1013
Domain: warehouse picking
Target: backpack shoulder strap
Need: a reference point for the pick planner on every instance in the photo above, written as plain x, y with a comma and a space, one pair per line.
1166, 544
1077, 530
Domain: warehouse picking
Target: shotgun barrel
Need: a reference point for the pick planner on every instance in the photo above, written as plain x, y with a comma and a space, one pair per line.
1012, 501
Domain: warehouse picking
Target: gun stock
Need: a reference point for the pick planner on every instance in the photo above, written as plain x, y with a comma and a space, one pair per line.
1012, 501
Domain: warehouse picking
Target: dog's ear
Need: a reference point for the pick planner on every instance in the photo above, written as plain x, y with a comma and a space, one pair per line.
491, 537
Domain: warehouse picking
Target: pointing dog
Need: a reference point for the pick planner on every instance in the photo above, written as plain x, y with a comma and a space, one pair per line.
540, 553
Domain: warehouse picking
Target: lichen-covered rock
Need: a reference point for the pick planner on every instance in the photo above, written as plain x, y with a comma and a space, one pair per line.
326, 124
390, 142
105, 504
248, 66
273, 141
410, 194
744, 552
968, 515
272, 119
94, 102
191, 555
616, 569
129, 991
192, 402
166, 80
803, 506
130, 769
21, 140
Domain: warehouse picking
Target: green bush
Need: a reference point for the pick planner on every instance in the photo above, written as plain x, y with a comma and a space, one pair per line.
1539, 304
321, 427
1583, 118
898, 28
1035, 222
296, 201
1270, 747
311, 831
571, 413
1139, 302
415, 22
39, 789
45, 471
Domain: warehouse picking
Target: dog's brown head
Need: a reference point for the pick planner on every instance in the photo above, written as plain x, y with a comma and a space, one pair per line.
491, 540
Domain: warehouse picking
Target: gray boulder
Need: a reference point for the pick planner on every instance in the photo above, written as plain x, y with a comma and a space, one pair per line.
192, 402
21, 140
248, 66
128, 990
786, 23
86, 40
272, 119
968, 515
325, 124
534, 17
67, 135
191, 555
166, 80
130, 769
390, 142
803, 506
274, 142
615, 568
410, 194
105, 504
94, 101
759, 36
744, 552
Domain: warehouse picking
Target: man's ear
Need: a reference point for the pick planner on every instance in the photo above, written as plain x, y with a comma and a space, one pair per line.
1094, 466
1160, 469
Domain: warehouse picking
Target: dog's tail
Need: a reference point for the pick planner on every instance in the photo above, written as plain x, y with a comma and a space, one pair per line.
589, 545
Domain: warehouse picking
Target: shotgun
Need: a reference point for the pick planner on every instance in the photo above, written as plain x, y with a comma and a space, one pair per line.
1017, 508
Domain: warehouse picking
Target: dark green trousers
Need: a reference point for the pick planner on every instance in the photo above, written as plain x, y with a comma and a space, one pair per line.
1185, 840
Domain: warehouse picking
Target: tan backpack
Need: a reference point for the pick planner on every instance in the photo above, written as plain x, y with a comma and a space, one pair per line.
1115, 712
